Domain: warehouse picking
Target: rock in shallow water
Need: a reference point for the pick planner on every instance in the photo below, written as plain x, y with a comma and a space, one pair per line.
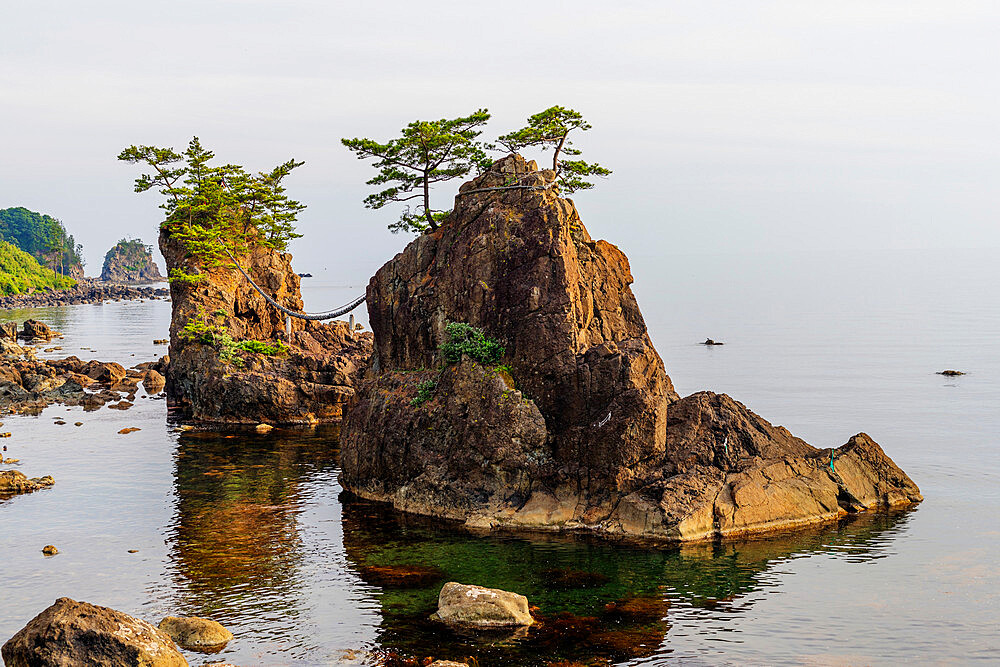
13, 482
196, 633
476, 607
78, 633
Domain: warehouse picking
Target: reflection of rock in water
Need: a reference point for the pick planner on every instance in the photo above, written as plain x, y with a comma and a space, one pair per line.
592, 599
234, 535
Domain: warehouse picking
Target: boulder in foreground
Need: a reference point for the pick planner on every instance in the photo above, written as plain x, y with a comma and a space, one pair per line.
78, 633
577, 425
476, 607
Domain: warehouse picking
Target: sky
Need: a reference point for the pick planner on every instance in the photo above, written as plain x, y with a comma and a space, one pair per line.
731, 127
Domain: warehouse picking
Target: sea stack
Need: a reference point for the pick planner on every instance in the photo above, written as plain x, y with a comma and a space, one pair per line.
231, 360
577, 425
130, 262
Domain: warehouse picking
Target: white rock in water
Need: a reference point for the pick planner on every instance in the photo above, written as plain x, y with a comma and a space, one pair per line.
478, 607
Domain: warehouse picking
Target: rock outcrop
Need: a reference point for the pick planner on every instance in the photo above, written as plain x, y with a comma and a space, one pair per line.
213, 378
29, 384
131, 262
581, 427
13, 482
78, 633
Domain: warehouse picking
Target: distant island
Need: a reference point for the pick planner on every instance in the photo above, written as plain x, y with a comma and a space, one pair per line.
130, 261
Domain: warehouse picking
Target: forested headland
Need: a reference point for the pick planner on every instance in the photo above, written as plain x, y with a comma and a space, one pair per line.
44, 238
20, 273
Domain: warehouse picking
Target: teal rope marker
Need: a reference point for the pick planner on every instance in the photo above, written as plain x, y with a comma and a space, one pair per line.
831, 461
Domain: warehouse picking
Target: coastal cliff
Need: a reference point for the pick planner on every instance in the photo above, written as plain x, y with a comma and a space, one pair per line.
130, 261
230, 360
576, 426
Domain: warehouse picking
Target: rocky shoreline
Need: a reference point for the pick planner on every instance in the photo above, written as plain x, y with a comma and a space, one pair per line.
85, 291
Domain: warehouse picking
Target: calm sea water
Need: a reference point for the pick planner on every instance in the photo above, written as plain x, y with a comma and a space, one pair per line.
253, 530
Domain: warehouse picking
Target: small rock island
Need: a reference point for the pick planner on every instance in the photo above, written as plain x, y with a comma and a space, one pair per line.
576, 426
130, 261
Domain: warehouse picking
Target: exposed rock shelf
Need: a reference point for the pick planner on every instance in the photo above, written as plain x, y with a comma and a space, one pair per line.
586, 432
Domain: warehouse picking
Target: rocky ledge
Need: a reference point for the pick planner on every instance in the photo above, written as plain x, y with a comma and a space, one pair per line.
231, 361
580, 427
85, 291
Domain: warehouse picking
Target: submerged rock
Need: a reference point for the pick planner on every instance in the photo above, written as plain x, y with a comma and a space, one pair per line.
196, 633
78, 633
580, 429
50, 550
476, 607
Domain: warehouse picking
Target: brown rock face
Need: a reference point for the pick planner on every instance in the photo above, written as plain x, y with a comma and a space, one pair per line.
594, 436
520, 265
77, 633
311, 382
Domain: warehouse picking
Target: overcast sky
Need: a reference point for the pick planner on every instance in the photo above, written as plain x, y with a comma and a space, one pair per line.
730, 126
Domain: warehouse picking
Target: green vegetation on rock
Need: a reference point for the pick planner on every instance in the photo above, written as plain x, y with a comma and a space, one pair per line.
21, 273
212, 209
551, 129
426, 153
465, 339
43, 237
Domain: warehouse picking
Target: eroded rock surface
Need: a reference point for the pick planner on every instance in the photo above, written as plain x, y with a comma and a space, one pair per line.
13, 482
586, 431
78, 633
310, 382
29, 384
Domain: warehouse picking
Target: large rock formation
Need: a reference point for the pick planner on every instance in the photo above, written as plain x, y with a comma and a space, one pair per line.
78, 633
212, 379
586, 432
130, 261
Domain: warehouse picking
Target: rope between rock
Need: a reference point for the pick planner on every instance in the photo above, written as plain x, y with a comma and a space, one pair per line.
343, 310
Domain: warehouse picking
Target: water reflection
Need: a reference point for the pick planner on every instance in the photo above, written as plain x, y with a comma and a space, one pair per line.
235, 545
242, 548
597, 602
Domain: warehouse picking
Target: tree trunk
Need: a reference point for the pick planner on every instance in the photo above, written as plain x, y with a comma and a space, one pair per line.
427, 202
555, 156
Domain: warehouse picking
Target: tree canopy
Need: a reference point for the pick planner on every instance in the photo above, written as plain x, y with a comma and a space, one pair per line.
551, 129
212, 207
426, 153
43, 237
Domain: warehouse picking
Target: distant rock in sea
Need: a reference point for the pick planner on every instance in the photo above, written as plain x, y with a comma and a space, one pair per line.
130, 261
